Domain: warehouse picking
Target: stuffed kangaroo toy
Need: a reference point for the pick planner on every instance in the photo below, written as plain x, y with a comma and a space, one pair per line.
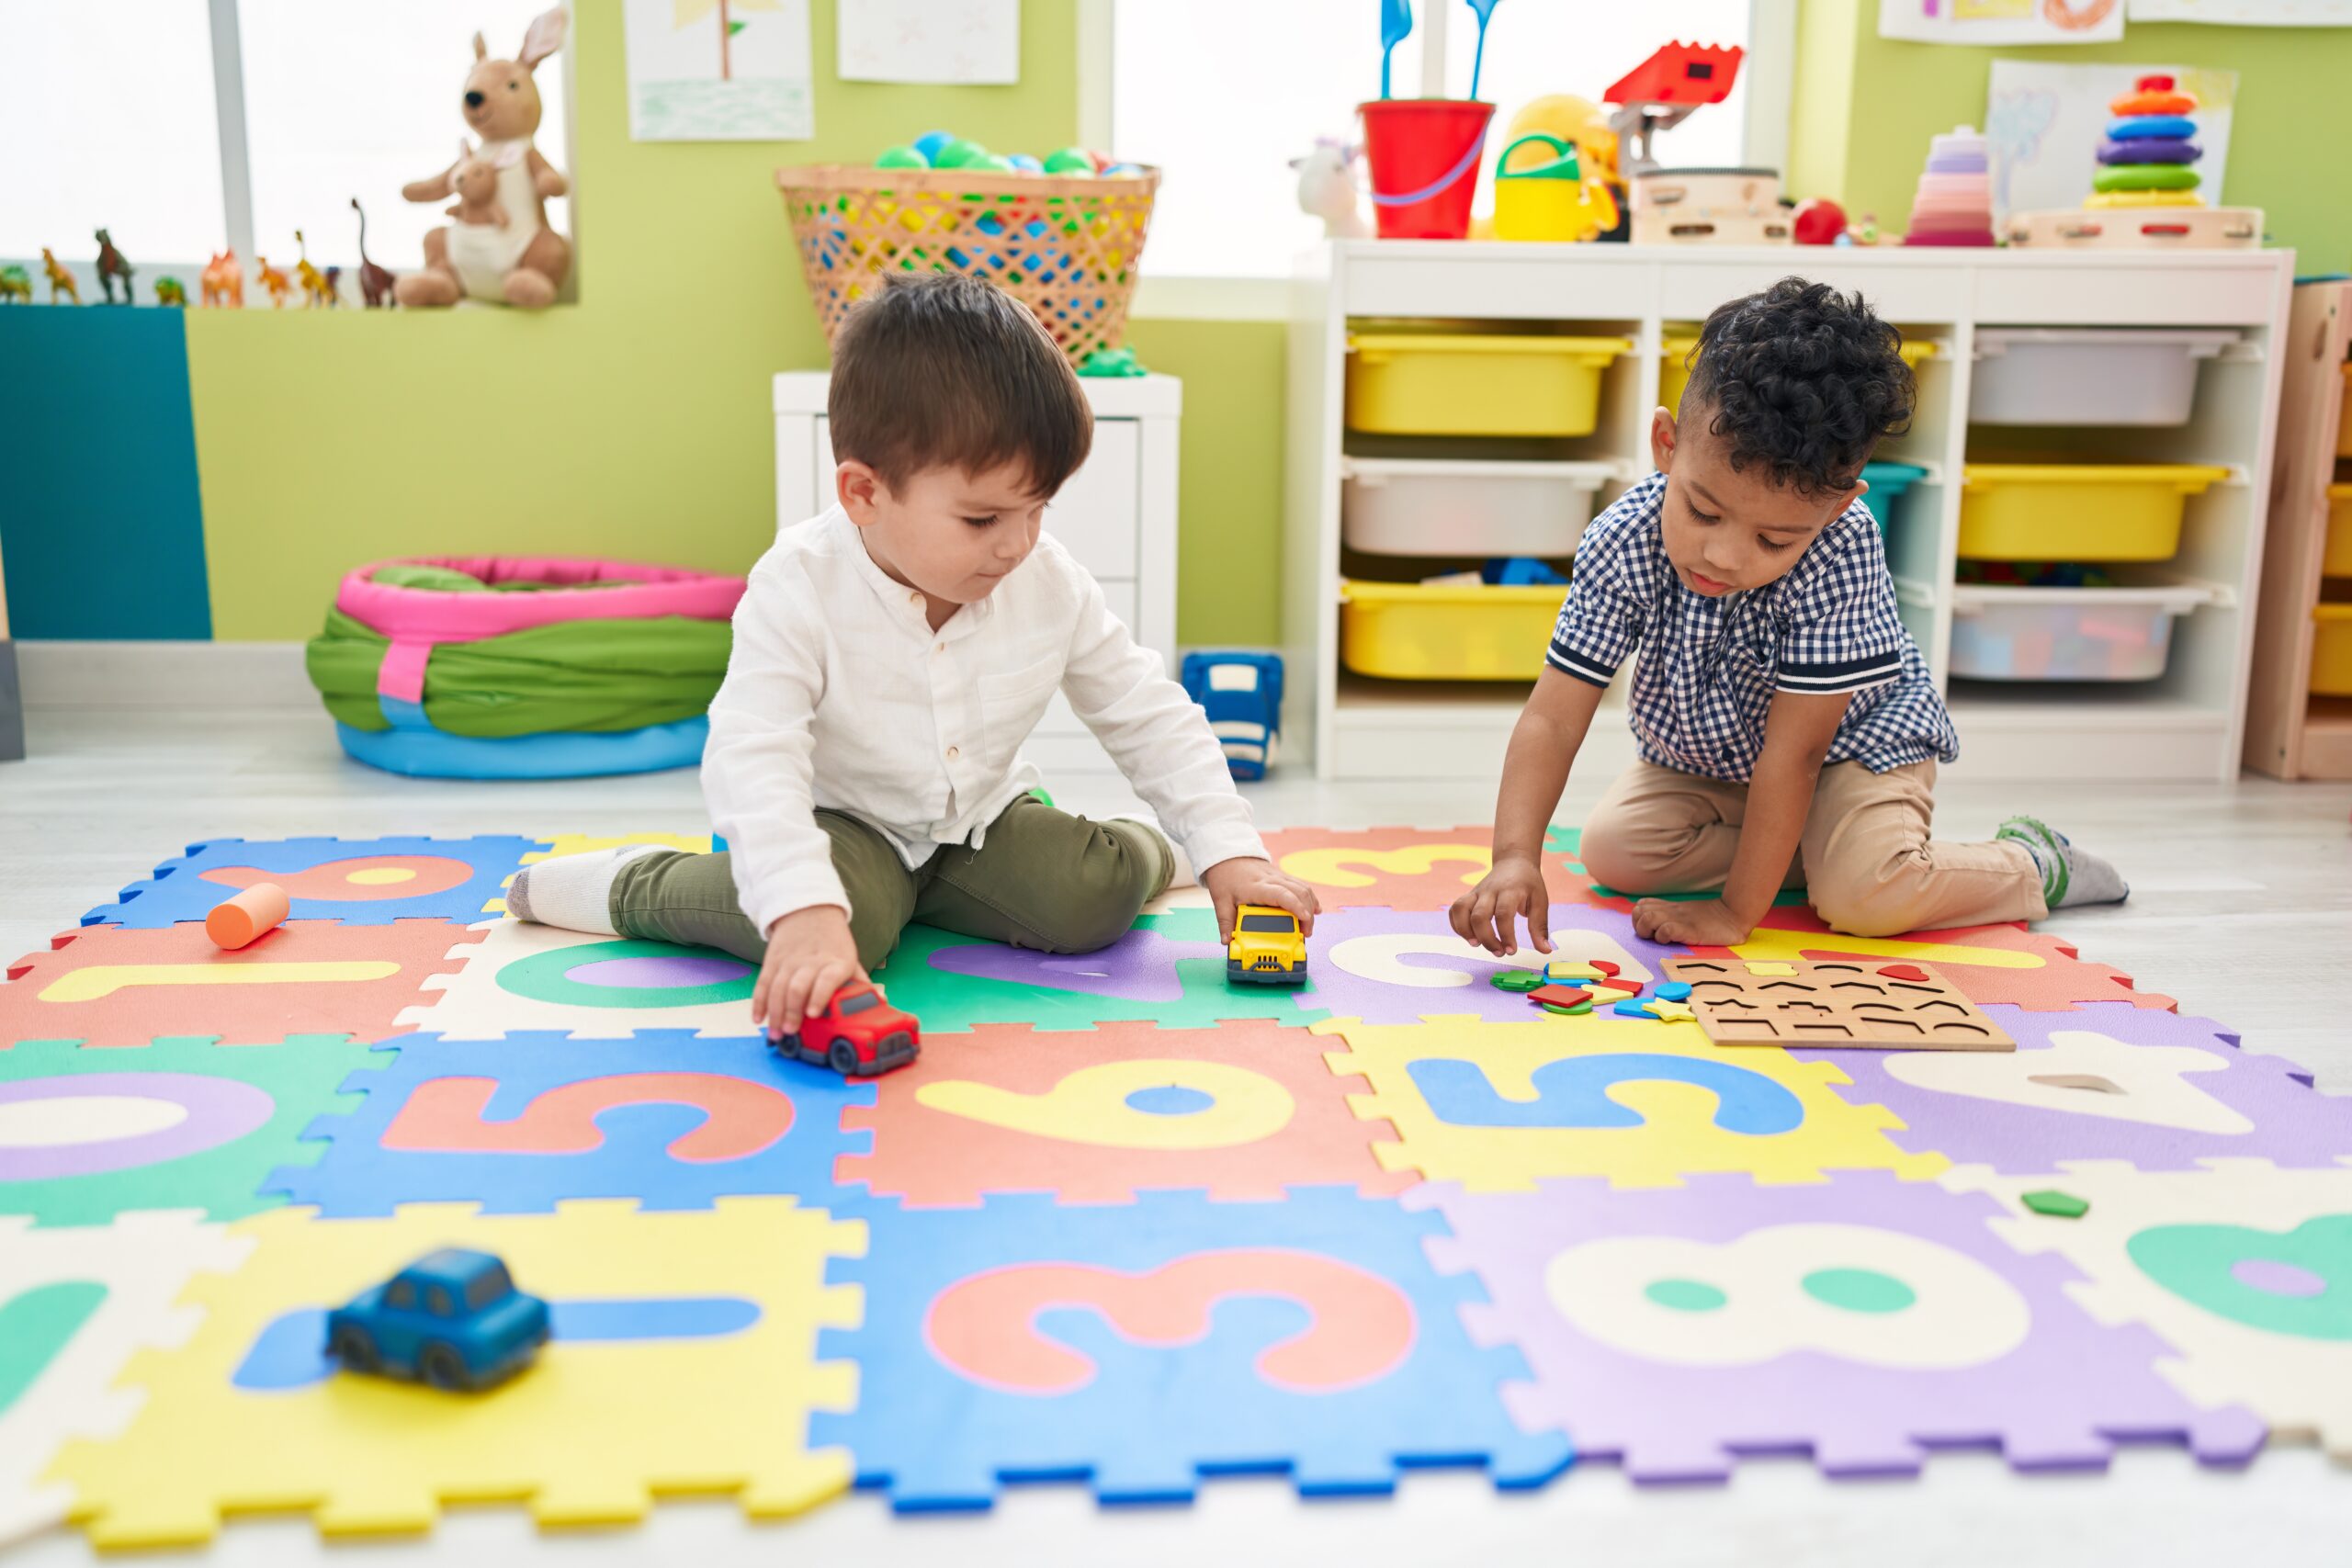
518, 261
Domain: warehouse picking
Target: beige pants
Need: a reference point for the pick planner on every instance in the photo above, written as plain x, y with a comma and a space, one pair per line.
1866, 859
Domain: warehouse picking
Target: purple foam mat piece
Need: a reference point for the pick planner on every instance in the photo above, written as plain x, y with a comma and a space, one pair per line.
1363, 962
1866, 1321
1138, 967
2127, 1083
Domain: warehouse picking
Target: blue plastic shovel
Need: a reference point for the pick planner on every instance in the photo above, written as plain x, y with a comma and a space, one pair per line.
1486, 9
1395, 27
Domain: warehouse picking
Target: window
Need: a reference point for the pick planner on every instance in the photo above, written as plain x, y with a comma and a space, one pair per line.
438, 1302
112, 113
861, 1002
490, 1285
401, 1295
1271, 922
107, 115
1222, 94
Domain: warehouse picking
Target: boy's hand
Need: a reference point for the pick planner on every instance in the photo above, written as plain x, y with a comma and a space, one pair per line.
1702, 922
1488, 914
1246, 879
810, 957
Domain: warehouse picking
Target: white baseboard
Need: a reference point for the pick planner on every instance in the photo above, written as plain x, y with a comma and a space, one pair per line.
100, 675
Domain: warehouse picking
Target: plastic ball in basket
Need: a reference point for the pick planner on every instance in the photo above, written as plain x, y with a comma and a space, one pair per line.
1067, 245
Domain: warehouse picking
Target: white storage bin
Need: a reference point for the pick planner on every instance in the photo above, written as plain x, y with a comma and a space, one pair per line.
2088, 375
2001, 632
1446, 507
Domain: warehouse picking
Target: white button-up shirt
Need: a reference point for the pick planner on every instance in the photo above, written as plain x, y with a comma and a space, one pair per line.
839, 693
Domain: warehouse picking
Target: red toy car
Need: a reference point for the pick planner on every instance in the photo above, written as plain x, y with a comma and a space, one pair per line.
860, 1035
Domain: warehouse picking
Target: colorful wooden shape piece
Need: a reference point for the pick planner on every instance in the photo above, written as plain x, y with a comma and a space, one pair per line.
724, 1414
2059, 1205
111, 986
1242, 1111
1904, 972
1141, 1349
1865, 1321
1832, 1005
1559, 996
528, 1120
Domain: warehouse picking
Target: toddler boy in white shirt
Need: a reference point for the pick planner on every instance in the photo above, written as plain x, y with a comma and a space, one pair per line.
891, 657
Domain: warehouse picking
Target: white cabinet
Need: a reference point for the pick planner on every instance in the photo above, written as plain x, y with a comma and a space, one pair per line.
1116, 515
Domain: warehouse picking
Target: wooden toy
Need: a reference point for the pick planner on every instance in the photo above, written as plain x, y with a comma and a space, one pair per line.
1832, 1004
59, 278
1558, 996
235, 922
375, 282
2056, 1204
223, 281
112, 266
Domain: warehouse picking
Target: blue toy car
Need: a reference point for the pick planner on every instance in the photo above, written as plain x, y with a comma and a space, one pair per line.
1243, 695
453, 1319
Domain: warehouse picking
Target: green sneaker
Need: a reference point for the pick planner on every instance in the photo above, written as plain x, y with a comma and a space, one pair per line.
2069, 875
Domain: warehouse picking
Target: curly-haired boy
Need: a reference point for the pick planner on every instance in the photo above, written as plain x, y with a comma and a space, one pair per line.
1788, 729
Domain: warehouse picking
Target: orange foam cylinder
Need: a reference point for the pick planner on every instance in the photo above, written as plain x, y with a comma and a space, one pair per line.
249, 914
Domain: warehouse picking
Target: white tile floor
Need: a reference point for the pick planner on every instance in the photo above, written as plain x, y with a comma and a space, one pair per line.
2241, 908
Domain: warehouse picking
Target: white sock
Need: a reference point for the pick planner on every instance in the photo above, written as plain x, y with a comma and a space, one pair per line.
1180, 873
574, 892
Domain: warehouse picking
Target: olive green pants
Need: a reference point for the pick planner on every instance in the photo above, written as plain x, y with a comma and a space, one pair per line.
1045, 880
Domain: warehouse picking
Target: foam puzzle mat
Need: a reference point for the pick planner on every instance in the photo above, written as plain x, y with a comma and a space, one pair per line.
1121, 1225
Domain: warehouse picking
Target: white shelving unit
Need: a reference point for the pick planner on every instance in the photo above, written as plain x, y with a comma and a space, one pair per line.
2187, 725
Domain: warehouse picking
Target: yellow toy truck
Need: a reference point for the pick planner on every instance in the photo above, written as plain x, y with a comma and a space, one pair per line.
1267, 948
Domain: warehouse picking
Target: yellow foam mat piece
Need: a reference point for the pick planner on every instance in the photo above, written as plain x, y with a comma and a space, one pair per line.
588, 1436
1677, 1134
1771, 945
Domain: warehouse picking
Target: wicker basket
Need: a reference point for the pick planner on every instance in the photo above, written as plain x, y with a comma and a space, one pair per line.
1067, 247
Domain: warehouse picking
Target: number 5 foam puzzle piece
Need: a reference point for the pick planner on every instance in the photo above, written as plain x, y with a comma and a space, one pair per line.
76, 1304
527, 1121
2106, 1081
86, 1136
1142, 1348
587, 1436
109, 986
1242, 1111
1642, 1102
361, 882
2243, 1269
1865, 1321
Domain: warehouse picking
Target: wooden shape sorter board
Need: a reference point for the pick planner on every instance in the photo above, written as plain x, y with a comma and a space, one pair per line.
1875, 1007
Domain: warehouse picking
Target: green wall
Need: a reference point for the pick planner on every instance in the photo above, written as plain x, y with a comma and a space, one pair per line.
1868, 106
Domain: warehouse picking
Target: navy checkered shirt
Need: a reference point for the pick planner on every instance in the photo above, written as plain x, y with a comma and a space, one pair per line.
1709, 666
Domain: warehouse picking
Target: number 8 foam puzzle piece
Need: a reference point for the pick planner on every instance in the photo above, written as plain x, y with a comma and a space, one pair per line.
1867, 1322
1141, 1349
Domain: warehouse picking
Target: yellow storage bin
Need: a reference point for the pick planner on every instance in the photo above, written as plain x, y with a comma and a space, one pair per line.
1474, 384
2344, 421
2076, 512
1674, 375
2337, 561
1420, 631
2332, 650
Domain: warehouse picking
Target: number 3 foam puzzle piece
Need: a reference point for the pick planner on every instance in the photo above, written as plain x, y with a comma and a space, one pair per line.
361, 882
2106, 1081
1866, 1320
109, 985
1499, 1106
1144, 1347
586, 1436
86, 1136
527, 1121
2242, 1268
1242, 1111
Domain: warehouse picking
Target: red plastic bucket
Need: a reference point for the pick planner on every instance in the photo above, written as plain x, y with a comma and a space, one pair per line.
1424, 155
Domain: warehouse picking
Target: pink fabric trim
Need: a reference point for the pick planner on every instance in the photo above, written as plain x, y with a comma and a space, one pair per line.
424, 616
402, 674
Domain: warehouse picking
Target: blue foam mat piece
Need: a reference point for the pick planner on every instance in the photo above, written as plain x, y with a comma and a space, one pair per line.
179, 891
686, 1120
1151, 1418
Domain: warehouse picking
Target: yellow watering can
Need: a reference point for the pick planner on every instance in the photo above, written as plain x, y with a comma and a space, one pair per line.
1552, 200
